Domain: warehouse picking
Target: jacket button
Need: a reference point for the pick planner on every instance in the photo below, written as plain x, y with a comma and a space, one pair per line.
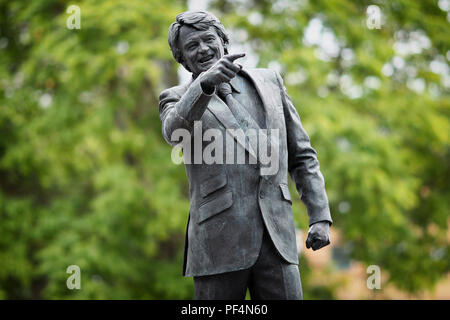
261, 195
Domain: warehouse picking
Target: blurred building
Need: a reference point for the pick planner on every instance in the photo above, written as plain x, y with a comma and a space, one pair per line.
332, 266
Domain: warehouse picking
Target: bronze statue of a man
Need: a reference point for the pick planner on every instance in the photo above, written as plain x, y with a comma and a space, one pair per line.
240, 231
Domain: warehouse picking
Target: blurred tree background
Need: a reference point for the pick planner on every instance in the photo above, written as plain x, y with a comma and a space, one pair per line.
86, 177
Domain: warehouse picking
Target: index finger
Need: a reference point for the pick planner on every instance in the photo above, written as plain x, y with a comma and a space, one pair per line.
232, 57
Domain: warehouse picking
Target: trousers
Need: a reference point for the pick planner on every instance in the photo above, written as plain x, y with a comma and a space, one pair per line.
270, 278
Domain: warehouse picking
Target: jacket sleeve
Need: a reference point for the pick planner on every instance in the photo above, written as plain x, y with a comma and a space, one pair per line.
180, 111
303, 165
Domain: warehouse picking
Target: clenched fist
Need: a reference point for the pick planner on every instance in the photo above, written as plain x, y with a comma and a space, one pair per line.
318, 235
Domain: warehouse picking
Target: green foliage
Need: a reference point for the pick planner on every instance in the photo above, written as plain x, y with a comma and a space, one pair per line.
86, 177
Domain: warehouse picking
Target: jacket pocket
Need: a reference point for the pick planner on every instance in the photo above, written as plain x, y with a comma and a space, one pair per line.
212, 184
285, 192
215, 206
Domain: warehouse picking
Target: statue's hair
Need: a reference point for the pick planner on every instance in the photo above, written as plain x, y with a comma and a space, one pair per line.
199, 20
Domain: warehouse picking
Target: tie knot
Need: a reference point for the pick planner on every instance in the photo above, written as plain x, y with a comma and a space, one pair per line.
224, 89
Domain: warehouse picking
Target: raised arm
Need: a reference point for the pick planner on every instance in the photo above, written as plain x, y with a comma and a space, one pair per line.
181, 110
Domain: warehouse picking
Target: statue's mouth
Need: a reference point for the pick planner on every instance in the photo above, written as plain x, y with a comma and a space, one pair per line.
206, 58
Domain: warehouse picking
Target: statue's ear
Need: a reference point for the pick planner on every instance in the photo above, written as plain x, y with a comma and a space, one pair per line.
225, 46
181, 61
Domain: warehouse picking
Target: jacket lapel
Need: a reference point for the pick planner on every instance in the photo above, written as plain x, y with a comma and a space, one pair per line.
262, 87
221, 111
265, 90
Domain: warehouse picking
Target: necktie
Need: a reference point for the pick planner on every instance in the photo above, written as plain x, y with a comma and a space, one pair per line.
257, 138
238, 110
242, 116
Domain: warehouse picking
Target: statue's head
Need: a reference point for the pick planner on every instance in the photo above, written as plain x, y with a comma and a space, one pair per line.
197, 40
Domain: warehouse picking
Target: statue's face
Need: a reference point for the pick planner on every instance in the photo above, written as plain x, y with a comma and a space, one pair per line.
201, 48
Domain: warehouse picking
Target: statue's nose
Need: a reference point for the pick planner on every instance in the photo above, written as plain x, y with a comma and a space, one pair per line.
203, 47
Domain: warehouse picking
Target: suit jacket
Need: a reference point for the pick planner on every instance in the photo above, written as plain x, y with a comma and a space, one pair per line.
231, 204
